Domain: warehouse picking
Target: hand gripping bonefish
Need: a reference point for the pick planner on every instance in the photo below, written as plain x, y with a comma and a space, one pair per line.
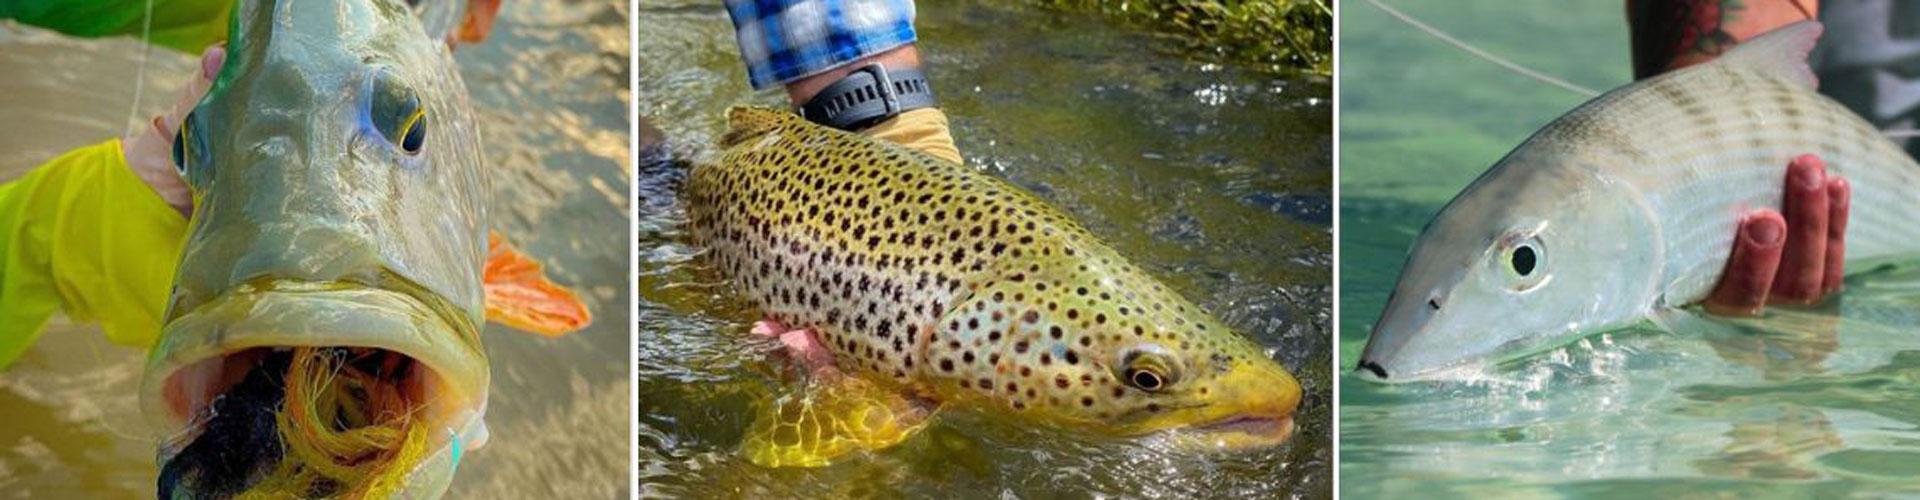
1625, 209
937, 286
339, 218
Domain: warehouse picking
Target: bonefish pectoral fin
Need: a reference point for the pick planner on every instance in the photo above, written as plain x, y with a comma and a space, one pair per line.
519, 294
830, 419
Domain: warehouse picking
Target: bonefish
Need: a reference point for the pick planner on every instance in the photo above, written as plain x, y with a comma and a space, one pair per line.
1625, 210
339, 216
932, 282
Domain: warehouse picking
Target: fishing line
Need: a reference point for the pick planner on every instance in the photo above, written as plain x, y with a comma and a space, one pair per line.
140, 72
107, 423
131, 125
1484, 55
1436, 33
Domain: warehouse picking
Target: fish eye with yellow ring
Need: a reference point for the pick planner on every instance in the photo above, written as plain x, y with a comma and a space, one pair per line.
396, 112
189, 148
179, 144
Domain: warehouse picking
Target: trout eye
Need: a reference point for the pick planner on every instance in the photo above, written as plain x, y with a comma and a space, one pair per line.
1144, 379
1148, 368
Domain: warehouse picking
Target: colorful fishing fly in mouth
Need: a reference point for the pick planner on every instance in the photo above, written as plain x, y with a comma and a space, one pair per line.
934, 285
327, 310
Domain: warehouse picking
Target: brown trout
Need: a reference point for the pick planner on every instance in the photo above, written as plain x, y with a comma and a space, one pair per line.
934, 281
339, 216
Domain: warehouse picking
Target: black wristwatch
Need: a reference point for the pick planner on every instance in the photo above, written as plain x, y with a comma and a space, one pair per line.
867, 96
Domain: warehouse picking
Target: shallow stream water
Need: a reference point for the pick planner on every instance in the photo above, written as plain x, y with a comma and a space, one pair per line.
1215, 179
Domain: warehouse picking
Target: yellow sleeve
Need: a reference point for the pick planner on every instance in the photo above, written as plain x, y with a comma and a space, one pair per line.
924, 129
83, 234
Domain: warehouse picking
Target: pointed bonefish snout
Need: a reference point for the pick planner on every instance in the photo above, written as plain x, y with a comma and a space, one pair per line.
1399, 323
1375, 368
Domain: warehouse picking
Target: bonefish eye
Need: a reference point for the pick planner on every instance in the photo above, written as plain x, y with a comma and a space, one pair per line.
1524, 259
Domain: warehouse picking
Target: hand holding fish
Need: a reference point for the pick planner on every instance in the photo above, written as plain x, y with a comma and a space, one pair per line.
1805, 265
150, 151
1797, 258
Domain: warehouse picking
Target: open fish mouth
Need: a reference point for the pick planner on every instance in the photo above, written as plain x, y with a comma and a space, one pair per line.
1276, 429
1240, 432
346, 359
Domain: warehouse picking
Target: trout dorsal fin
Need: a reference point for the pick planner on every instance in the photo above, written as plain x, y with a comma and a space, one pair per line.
1781, 53
748, 122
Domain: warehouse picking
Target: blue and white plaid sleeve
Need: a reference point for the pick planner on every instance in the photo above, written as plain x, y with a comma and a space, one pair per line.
785, 40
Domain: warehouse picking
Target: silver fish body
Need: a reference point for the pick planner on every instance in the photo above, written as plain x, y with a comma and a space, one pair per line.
1627, 207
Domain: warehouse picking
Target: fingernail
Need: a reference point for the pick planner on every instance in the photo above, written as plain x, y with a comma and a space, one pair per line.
1764, 233
1807, 178
1810, 160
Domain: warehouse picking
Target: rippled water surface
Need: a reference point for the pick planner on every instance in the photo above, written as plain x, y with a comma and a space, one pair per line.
1797, 403
550, 92
1214, 179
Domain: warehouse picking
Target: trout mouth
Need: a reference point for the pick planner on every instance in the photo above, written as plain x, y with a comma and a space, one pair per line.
289, 371
1252, 429
1251, 407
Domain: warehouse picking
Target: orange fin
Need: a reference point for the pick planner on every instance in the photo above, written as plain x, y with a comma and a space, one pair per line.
476, 22
520, 296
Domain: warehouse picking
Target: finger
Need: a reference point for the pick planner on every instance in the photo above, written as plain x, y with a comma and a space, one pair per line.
1803, 261
1839, 203
1749, 274
210, 62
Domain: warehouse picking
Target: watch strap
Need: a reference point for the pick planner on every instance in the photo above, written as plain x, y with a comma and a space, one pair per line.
868, 95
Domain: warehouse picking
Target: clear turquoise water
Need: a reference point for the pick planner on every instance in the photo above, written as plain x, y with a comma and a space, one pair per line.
1215, 179
1797, 403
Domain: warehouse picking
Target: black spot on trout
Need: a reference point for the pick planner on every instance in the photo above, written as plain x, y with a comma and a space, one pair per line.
935, 280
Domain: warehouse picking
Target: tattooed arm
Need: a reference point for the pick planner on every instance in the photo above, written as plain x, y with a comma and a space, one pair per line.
1672, 34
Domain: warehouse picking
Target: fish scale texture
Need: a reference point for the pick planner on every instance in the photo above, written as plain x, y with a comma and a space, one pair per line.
944, 281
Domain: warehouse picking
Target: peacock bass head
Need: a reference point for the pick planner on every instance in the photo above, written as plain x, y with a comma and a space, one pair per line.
327, 309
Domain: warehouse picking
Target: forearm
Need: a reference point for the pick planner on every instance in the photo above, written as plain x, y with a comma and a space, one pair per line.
83, 234
801, 90
1672, 34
